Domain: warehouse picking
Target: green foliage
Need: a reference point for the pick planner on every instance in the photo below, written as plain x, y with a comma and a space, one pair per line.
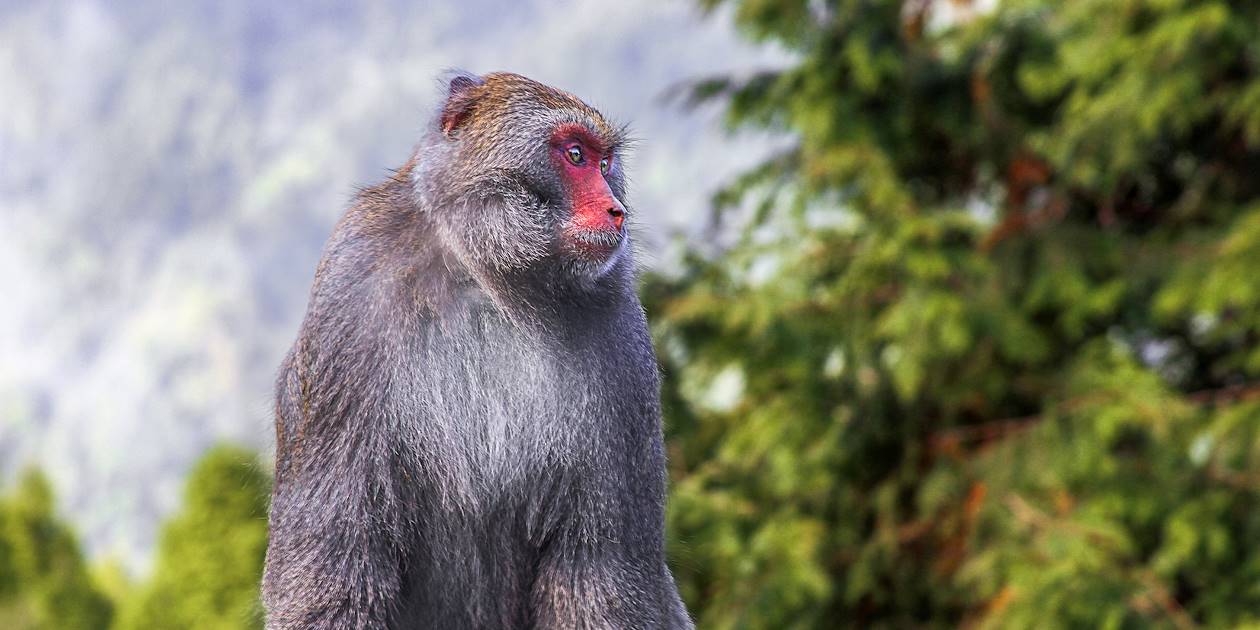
210, 556
207, 572
985, 347
44, 581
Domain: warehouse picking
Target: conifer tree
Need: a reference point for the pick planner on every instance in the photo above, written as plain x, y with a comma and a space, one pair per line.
44, 581
210, 556
983, 346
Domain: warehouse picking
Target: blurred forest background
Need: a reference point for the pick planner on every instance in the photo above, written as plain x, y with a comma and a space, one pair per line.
968, 333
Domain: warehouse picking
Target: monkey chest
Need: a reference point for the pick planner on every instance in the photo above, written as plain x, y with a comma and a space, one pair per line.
499, 409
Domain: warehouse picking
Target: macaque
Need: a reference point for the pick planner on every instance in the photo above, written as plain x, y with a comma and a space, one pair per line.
468, 427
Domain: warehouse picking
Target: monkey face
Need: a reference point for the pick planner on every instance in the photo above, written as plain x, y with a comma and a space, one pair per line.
593, 229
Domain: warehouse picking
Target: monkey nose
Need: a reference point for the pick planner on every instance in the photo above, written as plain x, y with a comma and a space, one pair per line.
618, 216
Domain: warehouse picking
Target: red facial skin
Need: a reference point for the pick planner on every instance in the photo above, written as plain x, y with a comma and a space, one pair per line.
596, 211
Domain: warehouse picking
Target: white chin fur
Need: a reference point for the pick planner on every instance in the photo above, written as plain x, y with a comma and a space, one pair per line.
595, 268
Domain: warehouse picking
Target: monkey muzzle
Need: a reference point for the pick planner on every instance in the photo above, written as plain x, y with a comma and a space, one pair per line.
597, 244
597, 227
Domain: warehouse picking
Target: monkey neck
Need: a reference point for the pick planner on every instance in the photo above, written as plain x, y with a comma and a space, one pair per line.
541, 299
549, 298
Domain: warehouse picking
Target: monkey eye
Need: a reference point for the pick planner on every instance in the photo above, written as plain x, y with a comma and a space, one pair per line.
603, 166
575, 154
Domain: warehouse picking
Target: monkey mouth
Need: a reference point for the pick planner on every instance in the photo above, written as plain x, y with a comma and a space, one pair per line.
593, 244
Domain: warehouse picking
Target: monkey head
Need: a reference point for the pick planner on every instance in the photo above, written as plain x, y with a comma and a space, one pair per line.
523, 176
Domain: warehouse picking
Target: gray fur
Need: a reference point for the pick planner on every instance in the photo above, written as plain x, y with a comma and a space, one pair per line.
468, 426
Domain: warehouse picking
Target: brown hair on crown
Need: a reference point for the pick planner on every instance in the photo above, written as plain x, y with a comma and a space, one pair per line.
480, 105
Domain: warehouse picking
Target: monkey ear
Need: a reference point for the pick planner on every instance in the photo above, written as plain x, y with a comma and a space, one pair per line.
460, 97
